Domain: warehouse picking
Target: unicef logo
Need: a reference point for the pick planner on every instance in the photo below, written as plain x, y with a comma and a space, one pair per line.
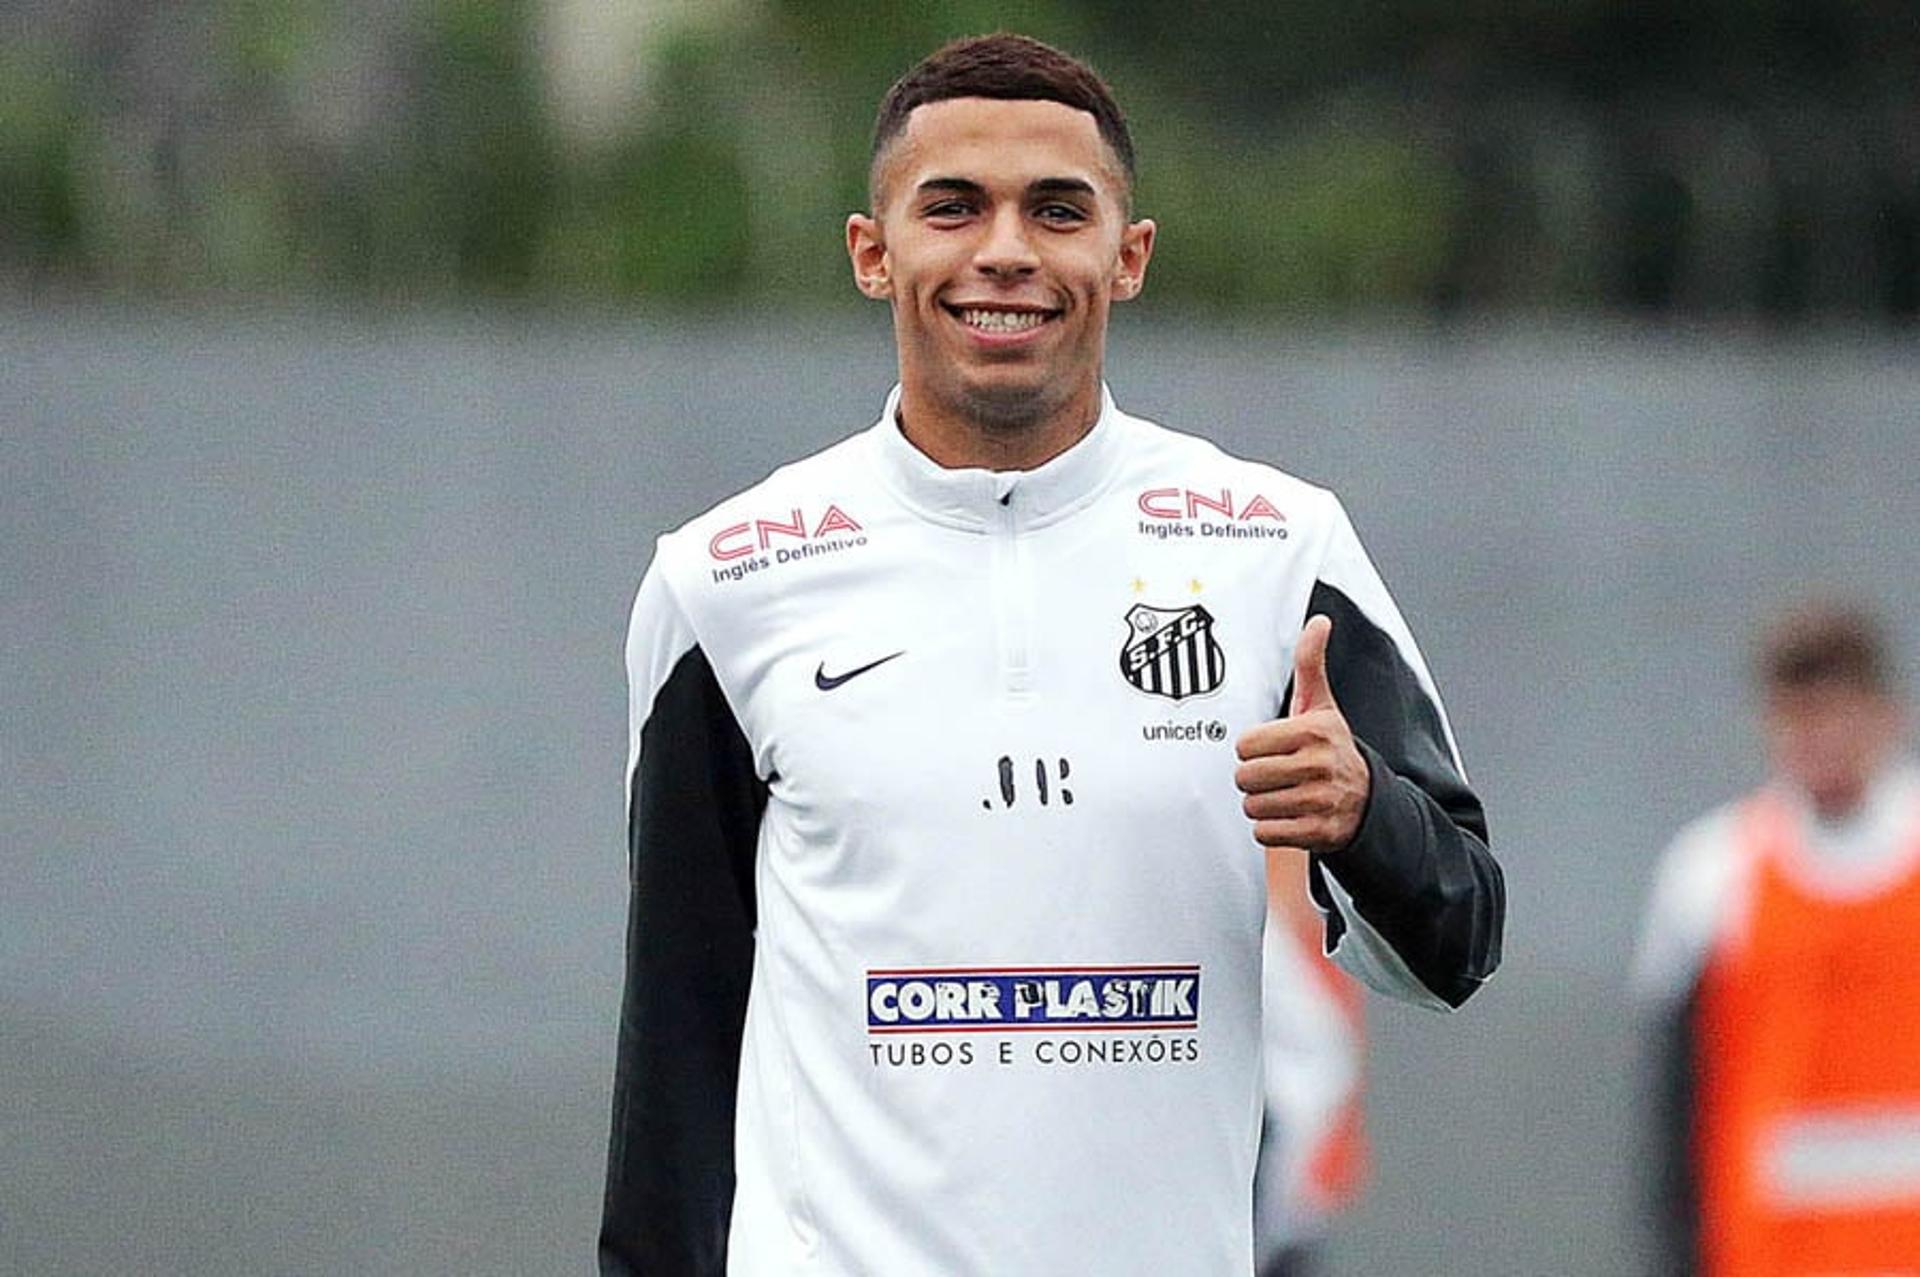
1211, 730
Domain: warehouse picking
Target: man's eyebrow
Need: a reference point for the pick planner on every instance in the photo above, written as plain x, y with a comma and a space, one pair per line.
1039, 186
1061, 186
957, 185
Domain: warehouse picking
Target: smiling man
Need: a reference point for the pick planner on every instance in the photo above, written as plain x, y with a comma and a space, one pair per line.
951, 747
1001, 237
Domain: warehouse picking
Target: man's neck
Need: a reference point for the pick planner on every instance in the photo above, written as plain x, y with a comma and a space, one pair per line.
956, 441
1845, 808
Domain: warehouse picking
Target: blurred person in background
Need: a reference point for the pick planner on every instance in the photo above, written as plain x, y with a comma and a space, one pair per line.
949, 747
1781, 960
1313, 1152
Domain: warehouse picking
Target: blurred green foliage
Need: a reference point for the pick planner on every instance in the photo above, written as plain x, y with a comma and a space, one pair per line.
1728, 157
39, 126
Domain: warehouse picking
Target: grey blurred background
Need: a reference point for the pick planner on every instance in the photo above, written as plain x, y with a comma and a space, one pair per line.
351, 356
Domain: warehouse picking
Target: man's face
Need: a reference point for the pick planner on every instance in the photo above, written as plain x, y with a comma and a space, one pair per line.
1001, 238
1829, 738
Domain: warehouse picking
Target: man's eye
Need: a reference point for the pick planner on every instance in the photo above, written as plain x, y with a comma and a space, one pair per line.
949, 208
1060, 213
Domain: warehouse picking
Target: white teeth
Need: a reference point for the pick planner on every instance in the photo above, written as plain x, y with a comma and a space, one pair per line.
1003, 321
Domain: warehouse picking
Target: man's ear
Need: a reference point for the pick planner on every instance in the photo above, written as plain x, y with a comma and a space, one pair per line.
867, 249
1136, 249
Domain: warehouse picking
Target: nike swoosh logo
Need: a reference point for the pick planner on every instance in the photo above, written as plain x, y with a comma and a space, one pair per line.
827, 682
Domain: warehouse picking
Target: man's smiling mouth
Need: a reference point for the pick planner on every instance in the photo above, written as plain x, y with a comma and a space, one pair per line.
1001, 321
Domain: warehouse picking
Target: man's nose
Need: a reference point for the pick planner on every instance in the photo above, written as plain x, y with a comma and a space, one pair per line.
1007, 252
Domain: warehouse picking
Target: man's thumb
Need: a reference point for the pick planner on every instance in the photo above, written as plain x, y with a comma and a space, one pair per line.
1311, 689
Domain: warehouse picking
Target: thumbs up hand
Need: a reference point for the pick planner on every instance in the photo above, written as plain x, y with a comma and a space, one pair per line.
1305, 781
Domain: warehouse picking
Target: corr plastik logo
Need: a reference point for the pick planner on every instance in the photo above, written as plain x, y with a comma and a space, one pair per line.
1033, 999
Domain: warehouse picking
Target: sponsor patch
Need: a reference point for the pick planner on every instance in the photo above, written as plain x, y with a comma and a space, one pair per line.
1212, 730
1032, 999
754, 545
1171, 513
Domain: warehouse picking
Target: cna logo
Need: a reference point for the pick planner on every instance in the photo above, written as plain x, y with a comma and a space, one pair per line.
741, 549
742, 539
1189, 512
1185, 503
1032, 999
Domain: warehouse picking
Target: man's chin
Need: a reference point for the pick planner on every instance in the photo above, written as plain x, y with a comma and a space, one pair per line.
1012, 403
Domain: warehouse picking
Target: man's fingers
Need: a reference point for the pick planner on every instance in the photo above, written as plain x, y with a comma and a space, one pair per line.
1289, 735
1311, 688
1304, 782
1276, 736
1300, 801
1281, 771
1280, 736
1303, 833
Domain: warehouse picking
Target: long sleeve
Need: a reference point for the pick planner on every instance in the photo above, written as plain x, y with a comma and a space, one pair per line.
1670, 1186
694, 808
1416, 904
1700, 878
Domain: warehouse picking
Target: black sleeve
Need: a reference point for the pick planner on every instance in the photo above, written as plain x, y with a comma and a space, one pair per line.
1671, 1187
693, 819
1418, 871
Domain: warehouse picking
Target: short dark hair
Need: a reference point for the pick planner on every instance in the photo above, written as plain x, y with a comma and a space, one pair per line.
1824, 642
1006, 66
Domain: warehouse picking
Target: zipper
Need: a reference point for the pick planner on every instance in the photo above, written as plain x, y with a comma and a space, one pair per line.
1013, 601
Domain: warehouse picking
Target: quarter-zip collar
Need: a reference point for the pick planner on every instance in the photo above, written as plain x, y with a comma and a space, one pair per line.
977, 499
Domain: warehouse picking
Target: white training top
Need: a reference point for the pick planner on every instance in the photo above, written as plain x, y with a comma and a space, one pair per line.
945, 758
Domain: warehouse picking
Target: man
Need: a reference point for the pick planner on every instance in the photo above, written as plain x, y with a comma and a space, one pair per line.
944, 952
1781, 960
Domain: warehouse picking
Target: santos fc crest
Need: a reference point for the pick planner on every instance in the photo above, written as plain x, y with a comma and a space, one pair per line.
1171, 652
